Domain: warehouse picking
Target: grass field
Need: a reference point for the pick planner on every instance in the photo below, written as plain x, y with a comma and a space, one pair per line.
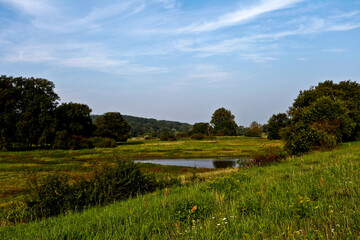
15, 167
315, 196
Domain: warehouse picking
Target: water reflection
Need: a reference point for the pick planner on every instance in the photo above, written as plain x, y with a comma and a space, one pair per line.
198, 163
224, 163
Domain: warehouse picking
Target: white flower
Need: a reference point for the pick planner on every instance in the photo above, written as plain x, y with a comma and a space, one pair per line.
224, 219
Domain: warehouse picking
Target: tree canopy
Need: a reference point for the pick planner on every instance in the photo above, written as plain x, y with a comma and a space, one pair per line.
223, 122
26, 111
201, 128
275, 124
112, 125
323, 116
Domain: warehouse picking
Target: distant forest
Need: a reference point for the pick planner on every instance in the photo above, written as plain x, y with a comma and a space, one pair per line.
149, 126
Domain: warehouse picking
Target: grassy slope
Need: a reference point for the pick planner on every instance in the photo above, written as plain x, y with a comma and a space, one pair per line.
14, 166
314, 196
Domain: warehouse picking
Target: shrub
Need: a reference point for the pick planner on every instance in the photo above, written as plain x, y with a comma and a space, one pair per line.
49, 197
167, 136
181, 135
197, 136
65, 141
147, 137
102, 142
252, 133
55, 194
269, 155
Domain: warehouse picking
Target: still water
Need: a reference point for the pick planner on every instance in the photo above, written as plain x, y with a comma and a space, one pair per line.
198, 163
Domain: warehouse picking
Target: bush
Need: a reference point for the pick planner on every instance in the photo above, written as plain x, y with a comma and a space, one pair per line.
147, 137
181, 135
252, 133
65, 141
102, 142
55, 194
49, 197
269, 155
197, 136
167, 136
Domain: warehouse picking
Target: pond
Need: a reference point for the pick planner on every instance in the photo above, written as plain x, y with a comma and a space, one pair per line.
198, 163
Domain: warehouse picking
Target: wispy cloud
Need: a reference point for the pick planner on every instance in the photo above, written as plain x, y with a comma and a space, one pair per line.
209, 73
167, 3
33, 7
256, 47
334, 50
239, 16
75, 55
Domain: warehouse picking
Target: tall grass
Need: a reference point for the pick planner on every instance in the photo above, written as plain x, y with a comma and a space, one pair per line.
315, 196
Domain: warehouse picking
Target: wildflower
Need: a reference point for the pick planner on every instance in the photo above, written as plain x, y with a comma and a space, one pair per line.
224, 219
213, 217
218, 224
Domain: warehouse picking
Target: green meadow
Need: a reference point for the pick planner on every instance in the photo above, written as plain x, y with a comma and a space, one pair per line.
314, 196
17, 167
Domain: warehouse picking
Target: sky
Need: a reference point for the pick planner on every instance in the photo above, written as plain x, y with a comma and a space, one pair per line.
182, 59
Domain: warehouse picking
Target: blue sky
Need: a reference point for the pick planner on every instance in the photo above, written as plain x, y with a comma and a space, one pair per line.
182, 59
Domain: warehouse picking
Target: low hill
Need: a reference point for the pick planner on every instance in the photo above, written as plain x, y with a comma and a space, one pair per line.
141, 126
315, 196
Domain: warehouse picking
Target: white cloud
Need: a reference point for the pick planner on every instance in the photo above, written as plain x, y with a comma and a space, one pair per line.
167, 3
33, 7
334, 50
75, 55
239, 16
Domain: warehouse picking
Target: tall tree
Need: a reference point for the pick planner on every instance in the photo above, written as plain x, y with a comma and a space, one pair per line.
112, 125
75, 119
201, 127
223, 122
275, 124
28, 106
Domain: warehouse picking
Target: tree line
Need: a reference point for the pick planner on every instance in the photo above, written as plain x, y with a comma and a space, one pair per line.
31, 116
319, 119
151, 127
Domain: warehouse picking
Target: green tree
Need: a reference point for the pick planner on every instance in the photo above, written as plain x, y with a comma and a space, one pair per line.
275, 124
255, 130
27, 115
201, 128
223, 122
75, 119
323, 116
112, 125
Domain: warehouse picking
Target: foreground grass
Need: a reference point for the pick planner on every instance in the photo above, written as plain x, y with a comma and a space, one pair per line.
315, 196
15, 166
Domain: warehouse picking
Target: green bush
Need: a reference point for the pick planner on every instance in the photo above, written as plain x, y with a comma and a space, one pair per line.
56, 194
102, 142
197, 136
252, 133
269, 155
51, 196
65, 141
167, 136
